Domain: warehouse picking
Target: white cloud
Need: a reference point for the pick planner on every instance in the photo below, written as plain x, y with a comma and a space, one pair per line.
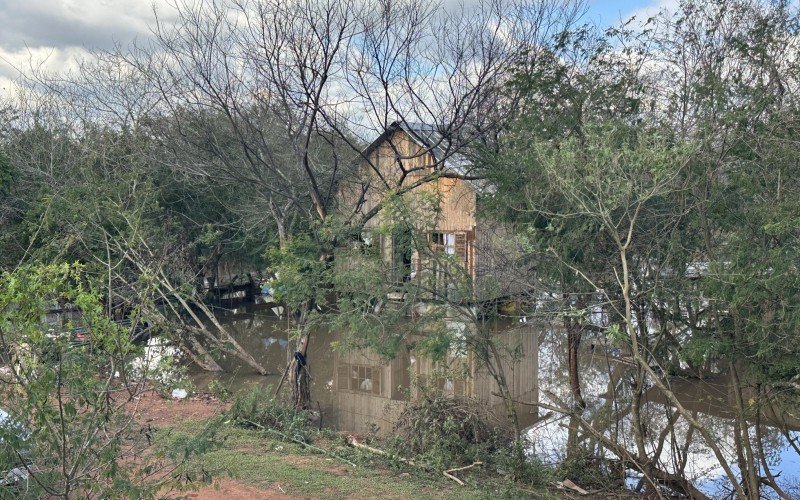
644, 13
61, 23
50, 34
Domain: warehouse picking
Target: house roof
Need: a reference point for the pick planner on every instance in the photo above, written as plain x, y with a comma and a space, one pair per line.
432, 140
429, 138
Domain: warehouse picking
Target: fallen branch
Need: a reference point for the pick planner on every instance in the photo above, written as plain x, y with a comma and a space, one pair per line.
300, 442
280, 384
569, 485
352, 441
448, 474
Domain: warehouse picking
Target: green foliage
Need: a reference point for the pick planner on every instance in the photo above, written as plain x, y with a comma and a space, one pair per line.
445, 432
603, 174
258, 409
76, 195
610, 165
219, 390
299, 268
526, 470
667, 197
583, 468
437, 342
6, 173
441, 433
259, 458
182, 446
578, 201
63, 393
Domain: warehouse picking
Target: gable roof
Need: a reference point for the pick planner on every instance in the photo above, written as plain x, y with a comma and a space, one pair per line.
430, 139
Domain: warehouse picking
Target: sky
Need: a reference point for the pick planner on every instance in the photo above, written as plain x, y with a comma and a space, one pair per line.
608, 12
52, 33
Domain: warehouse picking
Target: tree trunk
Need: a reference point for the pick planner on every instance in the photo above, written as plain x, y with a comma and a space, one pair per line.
299, 376
744, 448
574, 335
199, 355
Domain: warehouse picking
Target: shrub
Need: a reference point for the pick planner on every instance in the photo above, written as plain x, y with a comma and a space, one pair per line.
219, 390
447, 432
585, 468
517, 466
259, 409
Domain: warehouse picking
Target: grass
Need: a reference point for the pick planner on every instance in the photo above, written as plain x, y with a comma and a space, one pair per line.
259, 459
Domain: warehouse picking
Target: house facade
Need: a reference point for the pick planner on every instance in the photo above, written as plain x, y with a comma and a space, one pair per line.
415, 164
412, 163
423, 213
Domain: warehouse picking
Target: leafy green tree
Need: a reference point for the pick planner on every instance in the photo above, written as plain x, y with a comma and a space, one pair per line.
78, 437
655, 185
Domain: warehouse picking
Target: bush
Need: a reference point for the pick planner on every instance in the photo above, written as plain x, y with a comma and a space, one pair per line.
219, 390
514, 463
446, 432
259, 409
443, 432
585, 468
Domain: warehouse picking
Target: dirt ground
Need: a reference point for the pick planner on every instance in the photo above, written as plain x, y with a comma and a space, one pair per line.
229, 489
153, 409
158, 411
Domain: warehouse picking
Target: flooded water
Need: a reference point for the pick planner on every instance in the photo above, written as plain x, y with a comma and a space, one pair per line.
606, 387
361, 392
358, 390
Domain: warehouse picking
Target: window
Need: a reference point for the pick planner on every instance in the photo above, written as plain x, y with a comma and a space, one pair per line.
360, 378
452, 244
444, 242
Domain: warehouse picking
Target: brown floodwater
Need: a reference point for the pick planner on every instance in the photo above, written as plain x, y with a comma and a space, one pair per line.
358, 390
361, 392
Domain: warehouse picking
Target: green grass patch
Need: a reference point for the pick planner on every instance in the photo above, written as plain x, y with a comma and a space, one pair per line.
260, 459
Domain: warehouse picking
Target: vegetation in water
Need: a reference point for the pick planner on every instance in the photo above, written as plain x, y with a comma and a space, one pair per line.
640, 184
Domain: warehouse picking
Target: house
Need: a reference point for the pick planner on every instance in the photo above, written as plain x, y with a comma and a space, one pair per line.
423, 212
418, 164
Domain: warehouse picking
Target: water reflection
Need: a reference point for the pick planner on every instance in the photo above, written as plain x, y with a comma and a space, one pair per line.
606, 381
268, 341
361, 392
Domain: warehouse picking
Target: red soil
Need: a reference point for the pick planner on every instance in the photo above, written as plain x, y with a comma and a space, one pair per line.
153, 409
158, 411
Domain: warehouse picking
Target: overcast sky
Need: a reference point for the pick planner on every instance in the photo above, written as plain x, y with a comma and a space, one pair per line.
55, 32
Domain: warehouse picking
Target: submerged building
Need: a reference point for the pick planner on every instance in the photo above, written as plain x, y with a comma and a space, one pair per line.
424, 212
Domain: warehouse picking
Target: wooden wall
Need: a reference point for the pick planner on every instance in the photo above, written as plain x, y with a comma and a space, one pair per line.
357, 409
358, 413
441, 205
522, 373
455, 209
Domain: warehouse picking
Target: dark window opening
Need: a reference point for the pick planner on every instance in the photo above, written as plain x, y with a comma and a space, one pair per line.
402, 252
